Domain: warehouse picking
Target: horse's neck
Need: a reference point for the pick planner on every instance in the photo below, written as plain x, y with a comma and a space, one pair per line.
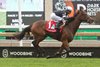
74, 25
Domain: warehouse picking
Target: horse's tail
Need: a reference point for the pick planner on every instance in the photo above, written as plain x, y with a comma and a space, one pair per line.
24, 31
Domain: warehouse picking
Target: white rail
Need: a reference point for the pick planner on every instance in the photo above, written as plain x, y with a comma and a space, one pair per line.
23, 26
9, 26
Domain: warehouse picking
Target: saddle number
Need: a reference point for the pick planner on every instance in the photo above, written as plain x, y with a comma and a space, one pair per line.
51, 25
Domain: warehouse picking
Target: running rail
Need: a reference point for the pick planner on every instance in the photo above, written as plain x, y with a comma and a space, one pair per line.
11, 34
23, 26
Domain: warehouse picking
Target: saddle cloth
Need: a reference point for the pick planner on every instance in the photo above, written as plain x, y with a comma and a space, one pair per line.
51, 26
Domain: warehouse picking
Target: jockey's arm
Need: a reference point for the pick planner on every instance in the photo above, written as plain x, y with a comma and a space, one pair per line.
64, 21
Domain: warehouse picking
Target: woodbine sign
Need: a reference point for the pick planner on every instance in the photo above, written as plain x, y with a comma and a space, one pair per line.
12, 52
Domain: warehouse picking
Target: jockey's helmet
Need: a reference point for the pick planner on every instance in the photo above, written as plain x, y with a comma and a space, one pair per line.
68, 8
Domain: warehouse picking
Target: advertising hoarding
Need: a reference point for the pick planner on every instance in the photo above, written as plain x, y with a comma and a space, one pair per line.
16, 52
91, 6
32, 10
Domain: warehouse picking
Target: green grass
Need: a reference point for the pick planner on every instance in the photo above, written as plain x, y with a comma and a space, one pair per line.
54, 62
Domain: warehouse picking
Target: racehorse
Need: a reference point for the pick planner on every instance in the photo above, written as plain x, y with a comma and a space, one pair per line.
67, 34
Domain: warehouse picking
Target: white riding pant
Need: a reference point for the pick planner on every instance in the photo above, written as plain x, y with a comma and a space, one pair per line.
55, 17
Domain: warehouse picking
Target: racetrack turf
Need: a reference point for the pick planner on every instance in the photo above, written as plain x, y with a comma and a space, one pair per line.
53, 62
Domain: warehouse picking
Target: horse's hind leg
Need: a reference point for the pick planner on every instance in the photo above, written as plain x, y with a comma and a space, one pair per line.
57, 54
36, 45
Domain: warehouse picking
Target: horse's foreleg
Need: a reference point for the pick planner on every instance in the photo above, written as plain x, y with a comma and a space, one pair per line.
65, 45
59, 53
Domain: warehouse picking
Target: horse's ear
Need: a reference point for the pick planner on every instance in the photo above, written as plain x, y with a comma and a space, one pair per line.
81, 8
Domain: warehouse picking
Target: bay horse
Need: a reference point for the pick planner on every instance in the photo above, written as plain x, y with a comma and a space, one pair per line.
66, 35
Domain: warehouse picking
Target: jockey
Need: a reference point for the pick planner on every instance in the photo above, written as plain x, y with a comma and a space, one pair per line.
61, 16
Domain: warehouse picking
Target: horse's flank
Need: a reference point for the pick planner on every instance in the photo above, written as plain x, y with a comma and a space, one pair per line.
38, 27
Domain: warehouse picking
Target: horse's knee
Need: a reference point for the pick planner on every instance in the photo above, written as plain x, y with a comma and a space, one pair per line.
66, 45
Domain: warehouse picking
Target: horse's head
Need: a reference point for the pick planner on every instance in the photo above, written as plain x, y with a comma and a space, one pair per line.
83, 16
